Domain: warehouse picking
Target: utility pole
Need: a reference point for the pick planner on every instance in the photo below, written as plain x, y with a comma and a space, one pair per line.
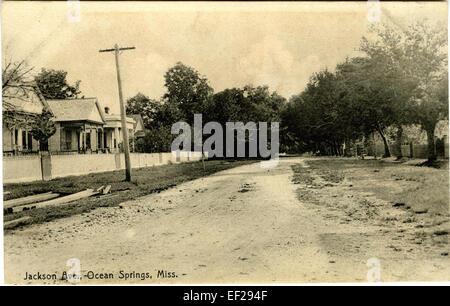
125, 142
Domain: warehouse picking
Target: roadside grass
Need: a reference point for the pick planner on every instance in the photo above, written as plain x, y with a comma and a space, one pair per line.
422, 189
302, 175
144, 181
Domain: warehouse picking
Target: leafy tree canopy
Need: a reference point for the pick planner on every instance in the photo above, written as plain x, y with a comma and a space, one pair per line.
143, 105
43, 127
53, 84
187, 89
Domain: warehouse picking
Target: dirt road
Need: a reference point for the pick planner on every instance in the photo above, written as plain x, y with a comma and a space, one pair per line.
241, 225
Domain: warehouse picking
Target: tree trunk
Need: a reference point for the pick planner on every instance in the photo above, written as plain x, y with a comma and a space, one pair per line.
347, 148
362, 147
335, 149
399, 141
387, 152
431, 145
374, 146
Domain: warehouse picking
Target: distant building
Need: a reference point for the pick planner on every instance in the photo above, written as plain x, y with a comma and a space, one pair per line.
441, 130
113, 131
139, 128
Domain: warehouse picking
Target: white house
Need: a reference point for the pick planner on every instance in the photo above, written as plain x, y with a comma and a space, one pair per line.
113, 130
18, 112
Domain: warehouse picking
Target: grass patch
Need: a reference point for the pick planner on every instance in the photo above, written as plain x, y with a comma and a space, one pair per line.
144, 181
301, 175
321, 167
334, 176
419, 188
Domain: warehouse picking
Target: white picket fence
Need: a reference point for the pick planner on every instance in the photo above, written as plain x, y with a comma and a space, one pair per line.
18, 169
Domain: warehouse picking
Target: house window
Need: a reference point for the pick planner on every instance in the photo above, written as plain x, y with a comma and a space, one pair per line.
68, 139
88, 140
29, 141
99, 139
16, 136
24, 140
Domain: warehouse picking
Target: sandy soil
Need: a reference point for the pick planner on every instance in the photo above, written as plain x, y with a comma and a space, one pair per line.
241, 225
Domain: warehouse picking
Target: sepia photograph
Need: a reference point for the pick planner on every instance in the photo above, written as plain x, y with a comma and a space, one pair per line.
225, 143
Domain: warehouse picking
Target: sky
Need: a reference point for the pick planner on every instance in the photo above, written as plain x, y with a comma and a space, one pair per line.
231, 43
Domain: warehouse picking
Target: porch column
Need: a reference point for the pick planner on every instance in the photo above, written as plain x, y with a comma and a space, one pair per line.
19, 140
93, 138
116, 136
103, 139
84, 140
106, 140
13, 138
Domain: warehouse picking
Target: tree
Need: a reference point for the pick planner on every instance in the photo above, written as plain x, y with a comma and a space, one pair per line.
342, 107
419, 55
245, 104
293, 120
18, 85
315, 120
400, 79
42, 128
16, 82
261, 104
370, 87
53, 84
426, 58
248, 104
187, 89
143, 105
157, 139
167, 114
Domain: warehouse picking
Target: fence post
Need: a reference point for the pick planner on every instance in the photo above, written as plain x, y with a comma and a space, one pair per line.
117, 159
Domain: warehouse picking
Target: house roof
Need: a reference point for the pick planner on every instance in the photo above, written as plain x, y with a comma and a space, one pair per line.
114, 120
137, 118
115, 117
85, 109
